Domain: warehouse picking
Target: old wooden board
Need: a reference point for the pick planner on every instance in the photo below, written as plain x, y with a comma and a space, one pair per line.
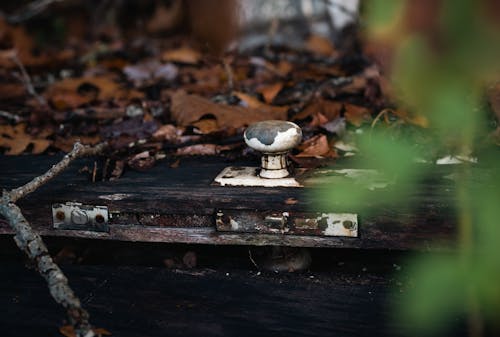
167, 204
149, 302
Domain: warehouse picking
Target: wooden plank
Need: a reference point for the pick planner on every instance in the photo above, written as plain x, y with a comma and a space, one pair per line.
150, 302
184, 197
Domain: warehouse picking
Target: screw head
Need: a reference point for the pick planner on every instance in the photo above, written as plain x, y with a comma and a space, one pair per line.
79, 217
99, 218
60, 215
348, 224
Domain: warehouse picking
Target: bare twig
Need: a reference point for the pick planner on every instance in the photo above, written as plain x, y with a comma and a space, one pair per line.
32, 244
10, 116
78, 151
27, 79
229, 74
30, 10
252, 260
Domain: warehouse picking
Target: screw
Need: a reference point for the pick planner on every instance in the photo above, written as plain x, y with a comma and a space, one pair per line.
99, 218
60, 215
348, 224
79, 217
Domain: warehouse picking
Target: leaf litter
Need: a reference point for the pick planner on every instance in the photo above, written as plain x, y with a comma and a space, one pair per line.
152, 98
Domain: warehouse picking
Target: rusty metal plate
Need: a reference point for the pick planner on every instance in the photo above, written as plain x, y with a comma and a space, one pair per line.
290, 223
74, 215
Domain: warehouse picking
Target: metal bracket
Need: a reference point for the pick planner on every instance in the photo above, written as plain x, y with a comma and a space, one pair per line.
290, 223
74, 215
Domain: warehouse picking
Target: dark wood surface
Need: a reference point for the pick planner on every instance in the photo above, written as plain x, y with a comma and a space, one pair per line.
147, 302
186, 192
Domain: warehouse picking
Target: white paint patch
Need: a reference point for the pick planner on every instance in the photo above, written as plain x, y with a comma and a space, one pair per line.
247, 176
335, 224
234, 224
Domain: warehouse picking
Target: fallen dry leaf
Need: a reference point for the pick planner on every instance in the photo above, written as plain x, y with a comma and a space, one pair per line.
206, 125
269, 92
198, 150
74, 92
329, 109
182, 55
316, 146
141, 161
16, 140
187, 109
254, 103
356, 115
143, 72
320, 45
318, 119
12, 91
66, 144
165, 18
69, 331
168, 132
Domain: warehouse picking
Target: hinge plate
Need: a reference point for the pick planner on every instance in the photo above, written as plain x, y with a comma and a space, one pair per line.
76, 216
291, 223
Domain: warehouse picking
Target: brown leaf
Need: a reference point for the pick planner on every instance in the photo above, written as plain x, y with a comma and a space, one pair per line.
168, 132
141, 161
254, 103
316, 146
187, 109
165, 18
143, 72
69, 331
117, 170
329, 109
73, 92
12, 91
182, 55
356, 114
320, 45
66, 144
17, 140
318, 119
198, 150
269, 92
206, 125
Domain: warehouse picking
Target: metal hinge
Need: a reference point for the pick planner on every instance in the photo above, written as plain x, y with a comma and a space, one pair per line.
74, 215
291, 223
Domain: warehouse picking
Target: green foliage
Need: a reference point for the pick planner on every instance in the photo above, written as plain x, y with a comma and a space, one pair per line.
441, 75
381, 12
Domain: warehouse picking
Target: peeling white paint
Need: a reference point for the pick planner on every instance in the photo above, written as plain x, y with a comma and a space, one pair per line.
335, 224
247, 176
234, 224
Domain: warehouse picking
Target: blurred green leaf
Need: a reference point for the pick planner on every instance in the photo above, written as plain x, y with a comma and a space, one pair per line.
438, 294
382, 12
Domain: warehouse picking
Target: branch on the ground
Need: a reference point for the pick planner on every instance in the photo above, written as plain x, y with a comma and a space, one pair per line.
78, 151
30, 10
28, 83
10, 116
32, 244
